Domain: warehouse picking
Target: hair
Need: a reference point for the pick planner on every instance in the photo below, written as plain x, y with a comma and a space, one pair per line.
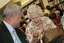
48, 7
45, 14
57, 11
10, 9
52, 16
33, 8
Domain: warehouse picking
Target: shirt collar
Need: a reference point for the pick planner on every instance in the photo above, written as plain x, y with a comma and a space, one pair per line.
10, 28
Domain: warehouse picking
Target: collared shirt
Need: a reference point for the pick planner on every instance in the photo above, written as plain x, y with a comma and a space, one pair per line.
11, 29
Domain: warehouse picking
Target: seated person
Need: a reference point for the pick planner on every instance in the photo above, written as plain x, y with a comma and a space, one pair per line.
57, 21
39, 23
57, 12
58, 9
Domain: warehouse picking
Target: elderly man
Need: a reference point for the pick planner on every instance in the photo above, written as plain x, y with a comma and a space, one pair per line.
12, 18
57, 12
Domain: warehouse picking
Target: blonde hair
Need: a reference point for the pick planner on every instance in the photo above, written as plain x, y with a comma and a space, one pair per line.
45, 14
33, 8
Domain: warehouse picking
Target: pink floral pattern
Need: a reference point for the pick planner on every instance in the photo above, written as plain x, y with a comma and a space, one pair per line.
45, 21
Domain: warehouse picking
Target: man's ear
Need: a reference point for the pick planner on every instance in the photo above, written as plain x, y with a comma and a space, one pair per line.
13, 16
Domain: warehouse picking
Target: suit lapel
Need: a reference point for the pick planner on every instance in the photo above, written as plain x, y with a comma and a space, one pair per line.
10, 37
21, 35
7, 32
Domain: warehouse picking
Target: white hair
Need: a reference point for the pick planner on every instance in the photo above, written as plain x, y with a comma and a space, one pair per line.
33, 8
10, 9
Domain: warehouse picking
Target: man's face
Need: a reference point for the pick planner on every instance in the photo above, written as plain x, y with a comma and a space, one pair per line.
18, 20
57, 14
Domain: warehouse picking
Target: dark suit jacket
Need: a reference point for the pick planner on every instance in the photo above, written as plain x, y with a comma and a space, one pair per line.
5, 36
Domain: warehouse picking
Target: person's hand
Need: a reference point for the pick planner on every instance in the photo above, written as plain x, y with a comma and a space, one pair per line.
35, 36
48, 28
35, 33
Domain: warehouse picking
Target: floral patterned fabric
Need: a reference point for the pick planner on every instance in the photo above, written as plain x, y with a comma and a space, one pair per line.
45, 21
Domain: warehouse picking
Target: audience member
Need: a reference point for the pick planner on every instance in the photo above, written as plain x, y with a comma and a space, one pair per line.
57, 12
57, 8
57, 21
